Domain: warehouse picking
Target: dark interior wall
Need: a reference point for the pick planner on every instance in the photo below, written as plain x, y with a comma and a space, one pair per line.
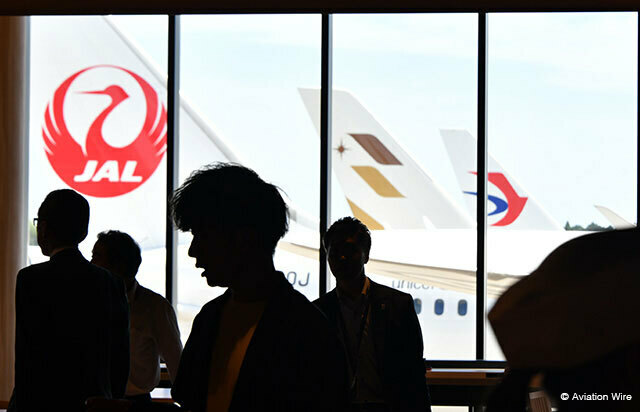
27, 7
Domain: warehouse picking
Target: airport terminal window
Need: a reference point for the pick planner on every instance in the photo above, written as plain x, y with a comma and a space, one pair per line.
91, 96
400, 82
462, 307
240, 81
562, 93
404, 113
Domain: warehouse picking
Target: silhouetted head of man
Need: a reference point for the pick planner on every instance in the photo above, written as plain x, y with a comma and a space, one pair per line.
118, 253
347, 243
63, 221
236, 220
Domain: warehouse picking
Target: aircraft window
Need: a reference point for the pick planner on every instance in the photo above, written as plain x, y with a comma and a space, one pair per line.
417, 305
438, 307
462, 307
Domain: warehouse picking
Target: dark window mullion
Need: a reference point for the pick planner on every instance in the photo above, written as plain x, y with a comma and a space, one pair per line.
325, 142
173, 106
481, 182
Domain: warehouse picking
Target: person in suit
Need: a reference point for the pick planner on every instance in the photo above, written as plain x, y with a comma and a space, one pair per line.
261, 346
72, 319
378, 326
154, 333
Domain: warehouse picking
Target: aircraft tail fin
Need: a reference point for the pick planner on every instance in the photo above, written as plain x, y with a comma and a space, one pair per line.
103, 56
385, 188
509, 205
195, 120
615, 219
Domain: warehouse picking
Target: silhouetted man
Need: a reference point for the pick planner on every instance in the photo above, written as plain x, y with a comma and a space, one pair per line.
378, 325
154, 332
72, 331
261, 346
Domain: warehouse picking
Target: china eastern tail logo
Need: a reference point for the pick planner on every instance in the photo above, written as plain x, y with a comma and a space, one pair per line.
98, 168
512, 203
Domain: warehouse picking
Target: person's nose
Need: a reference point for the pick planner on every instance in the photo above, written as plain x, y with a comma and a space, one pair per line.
192, 248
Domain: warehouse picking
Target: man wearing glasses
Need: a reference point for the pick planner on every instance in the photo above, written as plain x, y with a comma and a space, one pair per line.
72, 318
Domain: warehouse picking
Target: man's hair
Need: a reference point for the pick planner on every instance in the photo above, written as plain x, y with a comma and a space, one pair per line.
347, 227
230, 197
121, 248
67, 215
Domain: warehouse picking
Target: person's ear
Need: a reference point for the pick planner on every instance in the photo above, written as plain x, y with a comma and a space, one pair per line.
41, 230
122, 268
42, 237
366, 257
245, 238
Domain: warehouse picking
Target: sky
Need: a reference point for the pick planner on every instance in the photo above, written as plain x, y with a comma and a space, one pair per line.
561, 95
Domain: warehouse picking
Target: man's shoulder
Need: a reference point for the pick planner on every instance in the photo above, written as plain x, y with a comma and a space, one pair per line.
72, 261
326, 299
33, 270
152, 297
50, 268
296, 309
386, 292
101, 274
212, 308
33, 273
302, 304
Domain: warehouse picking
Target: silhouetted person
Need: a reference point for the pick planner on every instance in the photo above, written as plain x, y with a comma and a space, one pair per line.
378, 325
574, 320
154, 332
72, 331
261, 346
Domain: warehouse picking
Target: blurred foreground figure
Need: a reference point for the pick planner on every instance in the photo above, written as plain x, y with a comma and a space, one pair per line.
574, 320
154, 332
72, 326
377, 324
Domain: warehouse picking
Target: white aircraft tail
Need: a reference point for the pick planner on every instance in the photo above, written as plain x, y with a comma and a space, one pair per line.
384, 186
95, 104
509, 205
617, 221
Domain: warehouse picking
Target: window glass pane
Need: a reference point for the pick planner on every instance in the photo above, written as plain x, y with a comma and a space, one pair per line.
97, 126
562, 104
462, 307
438, 307
240, 80
417, 305
401, 84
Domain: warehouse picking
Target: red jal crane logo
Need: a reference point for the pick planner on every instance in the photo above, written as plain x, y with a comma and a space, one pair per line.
99, 169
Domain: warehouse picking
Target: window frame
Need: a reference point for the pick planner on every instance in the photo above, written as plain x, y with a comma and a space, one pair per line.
200, 7
326, 144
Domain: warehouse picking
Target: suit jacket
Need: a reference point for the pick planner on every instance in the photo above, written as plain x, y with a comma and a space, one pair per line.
398, 345
294, 361
72, 334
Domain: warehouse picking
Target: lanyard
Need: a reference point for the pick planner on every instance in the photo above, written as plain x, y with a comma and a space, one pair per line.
363, 324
